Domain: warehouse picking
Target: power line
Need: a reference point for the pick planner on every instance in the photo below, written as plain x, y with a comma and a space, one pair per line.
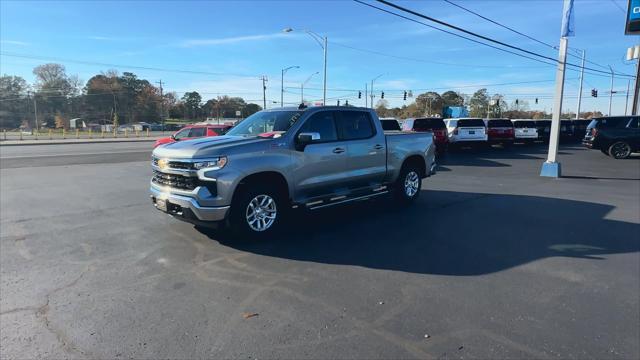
50, 58
618, 6
554, 61
520, 33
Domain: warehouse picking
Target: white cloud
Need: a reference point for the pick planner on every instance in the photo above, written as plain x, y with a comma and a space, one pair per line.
14, 42
231, 40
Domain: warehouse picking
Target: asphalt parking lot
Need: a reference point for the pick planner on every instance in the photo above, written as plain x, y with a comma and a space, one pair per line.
492, 262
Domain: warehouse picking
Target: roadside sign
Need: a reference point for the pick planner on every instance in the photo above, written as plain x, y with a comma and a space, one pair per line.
633, 18
238, 113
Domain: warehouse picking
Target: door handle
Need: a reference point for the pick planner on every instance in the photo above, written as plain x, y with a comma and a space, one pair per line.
378, 147
338, 150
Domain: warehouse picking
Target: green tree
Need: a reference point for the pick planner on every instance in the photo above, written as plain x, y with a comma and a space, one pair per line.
430, 102
479, 103
192, 102
251, 109
452, 98
14, 104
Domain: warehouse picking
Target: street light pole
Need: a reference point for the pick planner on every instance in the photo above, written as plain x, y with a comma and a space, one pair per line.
282, 83
322, 41
372, 81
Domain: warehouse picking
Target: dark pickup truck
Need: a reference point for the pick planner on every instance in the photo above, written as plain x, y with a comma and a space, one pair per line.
615, 136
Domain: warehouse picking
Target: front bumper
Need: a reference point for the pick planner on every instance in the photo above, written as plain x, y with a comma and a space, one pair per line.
187, 208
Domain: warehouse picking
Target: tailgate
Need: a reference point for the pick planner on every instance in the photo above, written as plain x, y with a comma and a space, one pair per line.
526, 132
471, 133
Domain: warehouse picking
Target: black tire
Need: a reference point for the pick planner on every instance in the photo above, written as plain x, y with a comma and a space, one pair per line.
271, 203
407, 187
620, 150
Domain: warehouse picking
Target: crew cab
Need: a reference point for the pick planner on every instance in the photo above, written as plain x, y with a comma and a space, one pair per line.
500, 131
434, 125
616, 136
466, 131
285, 158
192, 132
525, 130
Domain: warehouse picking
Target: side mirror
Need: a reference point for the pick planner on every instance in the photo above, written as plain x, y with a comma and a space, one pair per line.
307, 138
173, 137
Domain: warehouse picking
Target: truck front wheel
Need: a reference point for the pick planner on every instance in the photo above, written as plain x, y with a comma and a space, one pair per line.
407, 187
257, 211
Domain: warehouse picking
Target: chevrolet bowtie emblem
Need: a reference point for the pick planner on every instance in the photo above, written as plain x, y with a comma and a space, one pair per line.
163, 163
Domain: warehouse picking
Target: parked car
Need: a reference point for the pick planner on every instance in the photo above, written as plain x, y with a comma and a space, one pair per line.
579, 128
500, 131
390, 124
566, 130
544, 129
525, 130
281, 158
432, 124
466, 131
616, 136
192, 132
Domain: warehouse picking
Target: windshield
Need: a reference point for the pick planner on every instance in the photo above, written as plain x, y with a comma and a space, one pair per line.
428, 124
390, 124
266, 122
524, 124
499, 123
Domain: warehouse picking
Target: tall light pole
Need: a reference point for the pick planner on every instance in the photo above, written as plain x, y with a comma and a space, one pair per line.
580, 87
282, 83
372, 81
305, 83
322, 41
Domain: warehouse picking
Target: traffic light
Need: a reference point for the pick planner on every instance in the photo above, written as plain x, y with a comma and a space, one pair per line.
594, 92
338, 102
536, 100
359, 94
516, 101
498, 102
382, 95
346, 103
405, 95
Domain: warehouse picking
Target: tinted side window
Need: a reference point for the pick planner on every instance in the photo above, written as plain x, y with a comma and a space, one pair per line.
355, 125
197, 132
322, 123
182, 134
634, 123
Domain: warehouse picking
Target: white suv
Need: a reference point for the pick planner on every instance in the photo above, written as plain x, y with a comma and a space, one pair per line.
526, 130
466, 130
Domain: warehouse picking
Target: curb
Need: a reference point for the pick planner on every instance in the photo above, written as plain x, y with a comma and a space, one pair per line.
48, 142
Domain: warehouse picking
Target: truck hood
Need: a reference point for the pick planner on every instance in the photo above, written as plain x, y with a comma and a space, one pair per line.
204, 147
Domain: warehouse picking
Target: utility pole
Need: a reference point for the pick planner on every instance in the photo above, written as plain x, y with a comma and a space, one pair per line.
366, 95
611, 90
35, 111
580, 87
283, 71
264, 92
161, 105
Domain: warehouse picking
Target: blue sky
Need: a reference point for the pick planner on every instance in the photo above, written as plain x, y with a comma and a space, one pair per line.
239, 41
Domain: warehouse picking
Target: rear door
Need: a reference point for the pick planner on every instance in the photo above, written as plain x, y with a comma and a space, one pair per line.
471, 129
322, 164
366, 146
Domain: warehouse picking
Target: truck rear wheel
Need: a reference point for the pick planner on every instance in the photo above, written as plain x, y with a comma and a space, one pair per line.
257, 211
407, 187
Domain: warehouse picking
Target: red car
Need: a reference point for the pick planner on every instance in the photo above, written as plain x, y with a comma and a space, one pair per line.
192, 132
500, 131
435, 125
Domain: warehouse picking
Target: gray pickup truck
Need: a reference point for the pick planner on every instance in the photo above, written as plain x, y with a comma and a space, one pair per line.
285, 158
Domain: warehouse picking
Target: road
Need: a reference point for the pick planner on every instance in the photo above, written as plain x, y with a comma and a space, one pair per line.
493, 261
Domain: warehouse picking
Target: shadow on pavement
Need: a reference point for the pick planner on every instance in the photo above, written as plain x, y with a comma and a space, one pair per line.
448, 233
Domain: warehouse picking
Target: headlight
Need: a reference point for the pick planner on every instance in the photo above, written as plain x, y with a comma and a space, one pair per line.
214, 164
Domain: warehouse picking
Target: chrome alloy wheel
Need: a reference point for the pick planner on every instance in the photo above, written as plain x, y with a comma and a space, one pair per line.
411, 182
261, 213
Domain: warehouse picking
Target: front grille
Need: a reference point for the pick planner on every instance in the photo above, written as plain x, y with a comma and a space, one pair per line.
182, 165
175, 181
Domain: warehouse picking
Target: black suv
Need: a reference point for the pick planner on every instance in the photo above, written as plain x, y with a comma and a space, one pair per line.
616, 136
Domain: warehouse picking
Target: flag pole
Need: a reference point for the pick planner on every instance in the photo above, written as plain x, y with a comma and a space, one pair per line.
551, 167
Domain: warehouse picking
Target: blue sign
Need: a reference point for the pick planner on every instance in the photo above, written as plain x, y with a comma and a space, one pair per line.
633, 18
